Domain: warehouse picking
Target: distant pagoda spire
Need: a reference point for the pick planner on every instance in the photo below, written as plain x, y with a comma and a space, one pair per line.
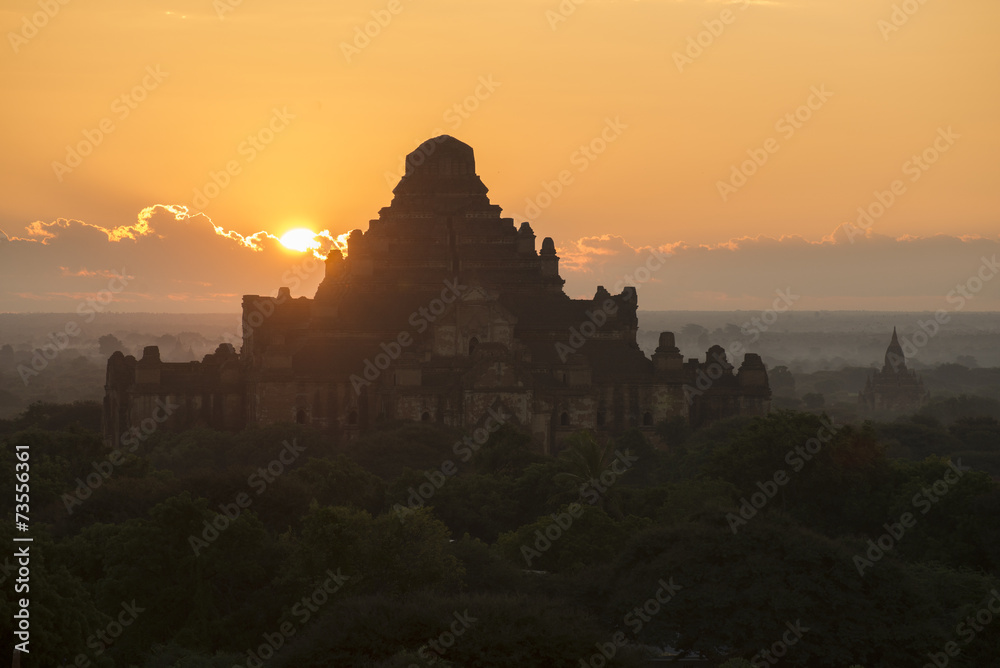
895, 388
895, 360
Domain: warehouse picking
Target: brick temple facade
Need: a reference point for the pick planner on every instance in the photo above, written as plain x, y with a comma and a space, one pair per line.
443, 311
895, 388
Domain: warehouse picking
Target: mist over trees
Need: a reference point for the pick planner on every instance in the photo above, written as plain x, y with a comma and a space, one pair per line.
825, 353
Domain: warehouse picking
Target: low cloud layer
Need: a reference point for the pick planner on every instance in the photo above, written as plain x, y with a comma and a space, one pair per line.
872, 272
170, 262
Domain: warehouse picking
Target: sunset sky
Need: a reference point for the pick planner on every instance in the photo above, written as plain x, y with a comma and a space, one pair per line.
312, 118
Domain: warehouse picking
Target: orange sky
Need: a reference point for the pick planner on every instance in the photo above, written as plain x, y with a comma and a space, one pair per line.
527, 87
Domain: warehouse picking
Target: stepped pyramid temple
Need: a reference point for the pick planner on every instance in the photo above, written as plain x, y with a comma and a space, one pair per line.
443, 311
894, 388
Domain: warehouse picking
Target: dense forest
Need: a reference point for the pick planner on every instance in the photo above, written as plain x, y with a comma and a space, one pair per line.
789, 538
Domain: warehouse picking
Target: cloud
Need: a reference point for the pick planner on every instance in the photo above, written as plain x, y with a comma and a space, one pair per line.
66, 271
874, 272
742, 3
174, 261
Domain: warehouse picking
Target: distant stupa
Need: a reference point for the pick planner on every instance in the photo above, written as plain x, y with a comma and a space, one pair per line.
894, 388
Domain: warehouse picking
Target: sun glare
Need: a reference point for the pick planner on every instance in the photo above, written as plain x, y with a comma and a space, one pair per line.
300, 239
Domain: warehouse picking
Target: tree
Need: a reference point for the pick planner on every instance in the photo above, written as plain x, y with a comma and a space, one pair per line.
475, 631
336, 481
774, 573
674, 431
836, 478
481, 505
109, 343
189, 568
396, 446
956, 519
574, 536
584, 462
62, 611
951, 409
782, 381
508, 452
813, 401
387, 554
978, 433
967, 361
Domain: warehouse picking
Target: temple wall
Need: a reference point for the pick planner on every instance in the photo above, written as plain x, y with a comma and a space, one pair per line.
474, 352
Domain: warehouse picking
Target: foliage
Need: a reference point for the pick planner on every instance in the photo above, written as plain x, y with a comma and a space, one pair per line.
497, 631
354, 530
575, 535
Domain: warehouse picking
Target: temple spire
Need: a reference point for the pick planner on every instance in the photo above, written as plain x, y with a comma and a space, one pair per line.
895, 360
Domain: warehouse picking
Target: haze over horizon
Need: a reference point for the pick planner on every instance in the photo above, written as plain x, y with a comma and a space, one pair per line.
613, 127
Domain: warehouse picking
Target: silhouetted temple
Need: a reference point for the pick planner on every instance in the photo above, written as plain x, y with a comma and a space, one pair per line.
894, 388
442, 311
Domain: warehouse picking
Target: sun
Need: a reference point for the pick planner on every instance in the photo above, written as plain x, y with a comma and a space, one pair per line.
300, 239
